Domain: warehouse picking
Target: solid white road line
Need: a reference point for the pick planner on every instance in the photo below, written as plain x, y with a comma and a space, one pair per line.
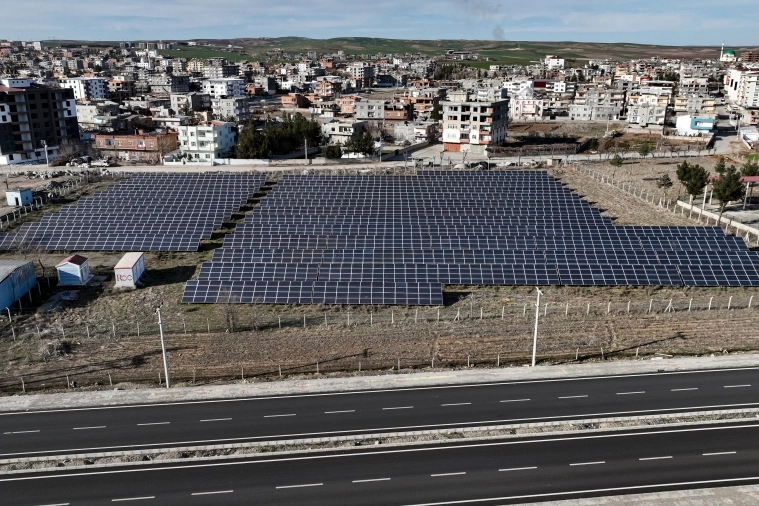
398, 407
300, 486
573, 397
458, 404
279, 416
133, 498
369, 481
344, 411
216, 420
656, 458
57, 504
717, 453
630, 393
589, 463
21, 432
518, 469
737, 386
153, 423
385, 390
604, 491
88, 428
215, 492
516, 400
447, 474
682, 389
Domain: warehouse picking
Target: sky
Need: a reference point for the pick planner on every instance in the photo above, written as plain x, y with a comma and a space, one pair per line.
667, 22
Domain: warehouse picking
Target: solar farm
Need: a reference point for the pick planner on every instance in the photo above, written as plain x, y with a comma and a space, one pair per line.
147, 212
396, 240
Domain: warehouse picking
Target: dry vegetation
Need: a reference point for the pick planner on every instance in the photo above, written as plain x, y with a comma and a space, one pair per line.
97, 335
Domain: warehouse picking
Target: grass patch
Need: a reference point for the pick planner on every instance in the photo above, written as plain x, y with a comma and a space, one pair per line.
204, 53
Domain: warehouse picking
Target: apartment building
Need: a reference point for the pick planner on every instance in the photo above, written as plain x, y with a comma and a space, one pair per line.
120, 90
220, 71
143, 147
34, 119
87, 88
369, 110
206, 141
169, 83
472, 125
695, 104
644, 114
194, 101
340, 131
237, 108
225, 87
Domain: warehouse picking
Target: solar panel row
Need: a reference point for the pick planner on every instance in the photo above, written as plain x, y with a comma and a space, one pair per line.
450, 227
147, 212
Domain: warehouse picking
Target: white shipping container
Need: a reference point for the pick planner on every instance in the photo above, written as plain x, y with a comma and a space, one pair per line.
129, 269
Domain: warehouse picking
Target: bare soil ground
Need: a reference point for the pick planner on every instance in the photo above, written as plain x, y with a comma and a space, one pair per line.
111, 336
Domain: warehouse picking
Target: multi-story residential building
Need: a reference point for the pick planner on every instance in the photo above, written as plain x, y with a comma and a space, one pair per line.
472, 125
237, 108
87, 88
553, 62
96, 115
695, 104
196, 66
327, 88
362, 72
645, 114
120, 89
34, 120
347, 104
194, 101
207, 141
219, 71
169, 83
295, 101
143, 147
224, 87
340, 131
749, 57
367, 109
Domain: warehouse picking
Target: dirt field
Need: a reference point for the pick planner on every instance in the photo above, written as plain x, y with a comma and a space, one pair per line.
97, 335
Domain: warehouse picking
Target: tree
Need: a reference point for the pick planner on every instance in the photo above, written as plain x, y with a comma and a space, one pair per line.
277, 138
363, 144
617, 161
750, 168
645, 149
664, 182
693, 178
437, 113
727, 188
333, 152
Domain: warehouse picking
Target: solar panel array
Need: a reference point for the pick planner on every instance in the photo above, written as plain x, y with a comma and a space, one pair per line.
147, 212
398, 239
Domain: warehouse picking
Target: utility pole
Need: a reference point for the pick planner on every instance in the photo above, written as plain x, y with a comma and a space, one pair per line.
535, 334
163, 349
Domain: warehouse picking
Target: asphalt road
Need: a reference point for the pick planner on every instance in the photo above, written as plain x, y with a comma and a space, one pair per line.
492, 472
321, 415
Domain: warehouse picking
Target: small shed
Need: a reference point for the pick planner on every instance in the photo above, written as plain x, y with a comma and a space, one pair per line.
19, 197
17, 277
74, 271
129, 269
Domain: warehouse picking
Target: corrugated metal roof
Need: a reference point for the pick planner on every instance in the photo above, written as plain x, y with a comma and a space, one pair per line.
128, 261
8, 266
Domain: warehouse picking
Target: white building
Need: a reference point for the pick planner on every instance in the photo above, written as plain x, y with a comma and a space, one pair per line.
206, 141
224, 87
553, 62
87, 88
693, 126
471, 125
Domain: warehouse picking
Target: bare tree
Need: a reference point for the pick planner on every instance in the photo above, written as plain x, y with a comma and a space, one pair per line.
228, 301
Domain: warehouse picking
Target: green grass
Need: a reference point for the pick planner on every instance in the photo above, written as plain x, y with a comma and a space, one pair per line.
204, 53
753, 156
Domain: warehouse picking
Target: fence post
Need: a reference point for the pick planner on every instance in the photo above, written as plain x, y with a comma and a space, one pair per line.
749, 301
577, 354
138, 329
729, 302
13, 332
467, 360
480, 313
628, 307
416, 315
588, 310
566, 310
279, 320
503, 308
498, 360
87, 326
23, 386
63, 332
371, 319
690, 302
524, 312
113, 327
392, 317
710, 303
650, 304
184, 325
438, 315
208, 325
608, 308
304, 320
325, 319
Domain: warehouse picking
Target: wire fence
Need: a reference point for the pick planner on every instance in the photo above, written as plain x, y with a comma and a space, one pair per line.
260, 318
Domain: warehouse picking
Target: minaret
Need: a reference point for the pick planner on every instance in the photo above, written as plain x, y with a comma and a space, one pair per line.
722, 51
